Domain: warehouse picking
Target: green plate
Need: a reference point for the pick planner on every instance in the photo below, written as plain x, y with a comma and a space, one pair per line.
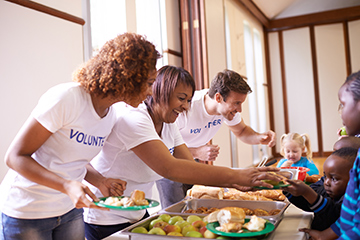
269, 227
280, 185
152, 203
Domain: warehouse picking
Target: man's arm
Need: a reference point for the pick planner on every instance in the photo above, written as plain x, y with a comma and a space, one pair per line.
246, 134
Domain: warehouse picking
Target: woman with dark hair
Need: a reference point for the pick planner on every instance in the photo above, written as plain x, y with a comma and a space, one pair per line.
42, 195
145, 145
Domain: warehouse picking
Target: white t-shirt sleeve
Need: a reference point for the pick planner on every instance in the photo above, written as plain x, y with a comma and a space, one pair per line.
135, 128
52, 110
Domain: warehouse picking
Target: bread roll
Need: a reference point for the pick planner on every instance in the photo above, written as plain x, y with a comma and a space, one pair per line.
226, 215
313, 178
205, 192
138, 197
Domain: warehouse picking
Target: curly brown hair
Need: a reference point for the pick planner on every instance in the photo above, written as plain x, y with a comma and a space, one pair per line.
120, 69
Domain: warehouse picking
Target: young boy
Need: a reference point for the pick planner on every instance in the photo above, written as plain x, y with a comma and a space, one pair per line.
324, 197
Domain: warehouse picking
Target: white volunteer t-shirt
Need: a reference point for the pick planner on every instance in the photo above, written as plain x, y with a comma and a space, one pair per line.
133, 127
79, 133
197, 127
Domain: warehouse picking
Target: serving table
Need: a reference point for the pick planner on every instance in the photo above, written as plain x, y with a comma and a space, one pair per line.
293, 219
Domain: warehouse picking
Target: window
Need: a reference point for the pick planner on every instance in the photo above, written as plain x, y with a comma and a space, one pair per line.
112, 17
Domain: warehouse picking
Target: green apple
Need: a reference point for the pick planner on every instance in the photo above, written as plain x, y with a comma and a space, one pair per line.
193, 218
187, 228
194, 234
175, 234
174, 219
343, 131
172, 228
165, 217
209, 234
157, 231
152, 223
182, 223
139, 230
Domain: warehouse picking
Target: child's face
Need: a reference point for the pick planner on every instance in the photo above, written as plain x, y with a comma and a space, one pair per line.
350, 111
292, 151
336, 173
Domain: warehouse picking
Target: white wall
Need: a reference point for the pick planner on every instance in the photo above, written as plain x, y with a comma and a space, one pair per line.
298, 67
37, 51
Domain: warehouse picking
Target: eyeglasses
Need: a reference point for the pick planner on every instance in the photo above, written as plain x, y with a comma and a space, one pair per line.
340, 108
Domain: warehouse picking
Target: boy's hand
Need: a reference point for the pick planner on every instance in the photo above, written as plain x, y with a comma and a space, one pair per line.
297, 188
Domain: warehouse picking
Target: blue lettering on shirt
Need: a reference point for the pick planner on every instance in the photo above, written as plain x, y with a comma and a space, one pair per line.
171, 150
86, 139
216, 122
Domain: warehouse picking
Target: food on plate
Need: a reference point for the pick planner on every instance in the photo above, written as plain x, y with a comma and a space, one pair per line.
313, 178
255, 224
137, 198
282, 176
231, 227
231, 219
226, 215
205, 192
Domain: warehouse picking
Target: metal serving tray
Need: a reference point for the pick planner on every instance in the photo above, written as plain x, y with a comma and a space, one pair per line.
145, 223
184, 205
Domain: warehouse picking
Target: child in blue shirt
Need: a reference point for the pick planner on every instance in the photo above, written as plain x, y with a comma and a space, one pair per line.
348, 225
292, 147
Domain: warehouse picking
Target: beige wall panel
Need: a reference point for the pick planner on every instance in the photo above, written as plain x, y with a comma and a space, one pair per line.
174, 60
215, 31
354, 39
278, 100
38, 51
330, 52
173, 40
236, 63
300, 83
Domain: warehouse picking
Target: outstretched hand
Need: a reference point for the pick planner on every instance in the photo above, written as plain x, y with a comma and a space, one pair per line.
268, 138
253, 177
297, 188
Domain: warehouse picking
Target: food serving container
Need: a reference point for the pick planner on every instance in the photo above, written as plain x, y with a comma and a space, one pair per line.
145, 223
182, 206
299, 171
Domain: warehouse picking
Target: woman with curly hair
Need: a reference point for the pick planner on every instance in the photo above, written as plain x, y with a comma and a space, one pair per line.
42, 195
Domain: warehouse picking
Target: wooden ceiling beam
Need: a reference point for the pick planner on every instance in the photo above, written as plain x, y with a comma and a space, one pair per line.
332, 16
255, 11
